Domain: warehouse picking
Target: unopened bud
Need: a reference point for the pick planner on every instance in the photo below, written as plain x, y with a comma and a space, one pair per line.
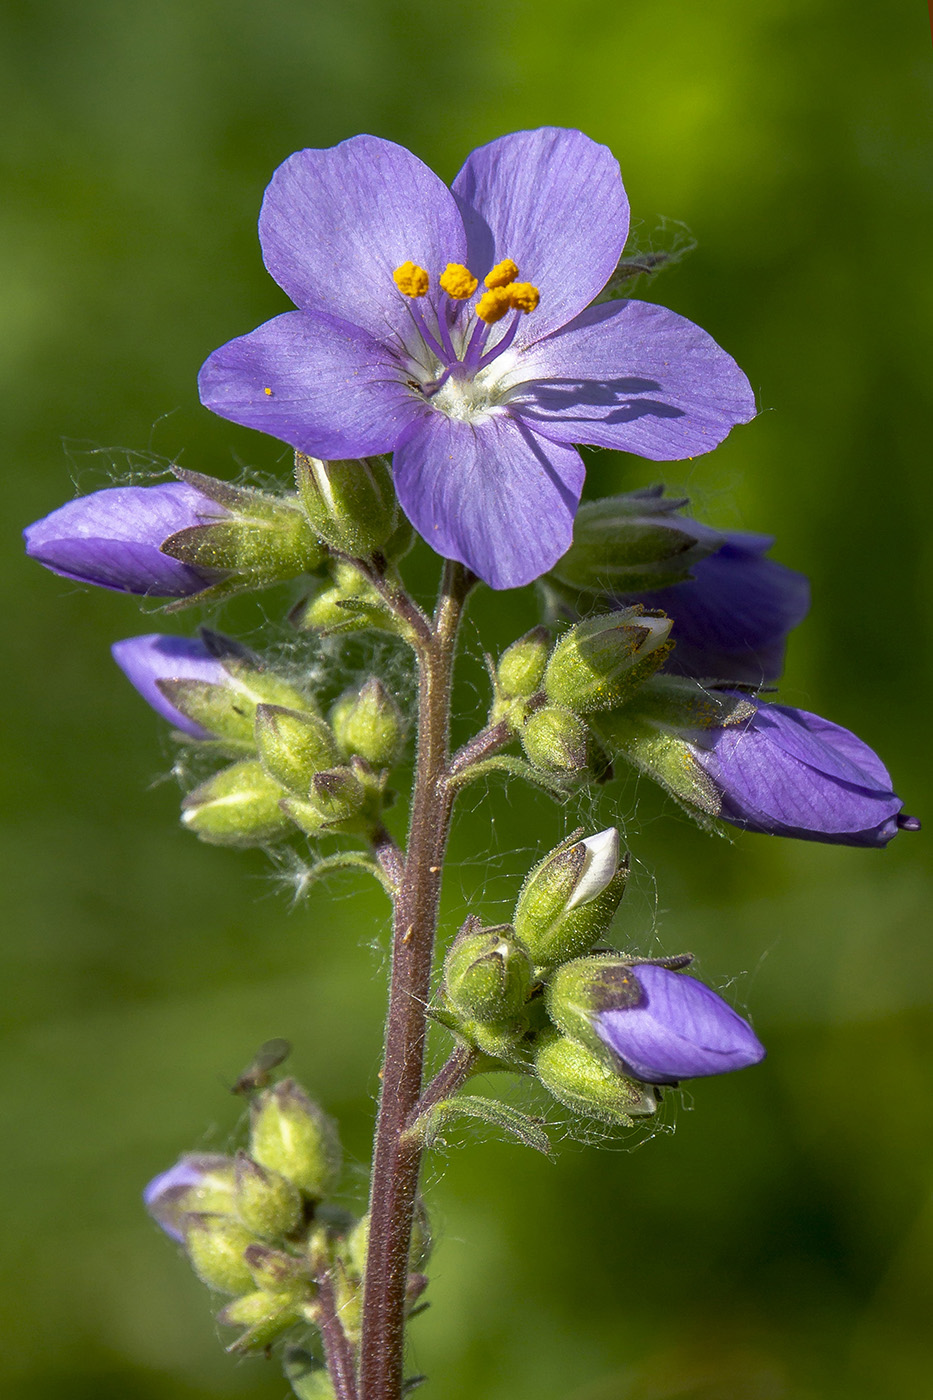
630, 543
569, 900
600, 662
292, 1136
292, 746
215, 1246
239, 806
266, 1202
555, 741
520, 671
487, 975
584, 1082
369, 723
264, 1315
337, 795
273, 1270
351, 504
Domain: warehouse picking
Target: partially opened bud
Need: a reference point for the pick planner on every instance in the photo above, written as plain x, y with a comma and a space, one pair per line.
583, 1081
351, 504
368, 722
292, 1136
215, 1246
198, 1182
569, 900
239, 806
599, 663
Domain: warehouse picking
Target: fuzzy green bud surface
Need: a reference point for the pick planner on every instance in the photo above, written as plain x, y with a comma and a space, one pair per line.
293, 746
292, 1136
555, 741
369, 723
306, 1375
583, 1082
487, 975
266, 1316
337, 795
215, 1244
600, 662
569, 899
266, 1202
351, 504
239, 806
520, 671
631, 543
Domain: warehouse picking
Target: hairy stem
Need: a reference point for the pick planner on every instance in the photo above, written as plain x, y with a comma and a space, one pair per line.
337, 1348
396, 1159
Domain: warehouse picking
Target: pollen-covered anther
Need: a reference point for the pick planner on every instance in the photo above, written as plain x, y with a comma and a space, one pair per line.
523, 296
458, 281
493, 305
502, 274
411, 280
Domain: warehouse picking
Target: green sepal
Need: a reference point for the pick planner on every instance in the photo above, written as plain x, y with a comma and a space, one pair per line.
292, 1136
306, 1375
293, 747
351, 605
577, 992
266, 1316
350, 503
369, 723
215, 1244
266, 1202
556, 741
492, 1111
583, 1081
239, 806
600, 662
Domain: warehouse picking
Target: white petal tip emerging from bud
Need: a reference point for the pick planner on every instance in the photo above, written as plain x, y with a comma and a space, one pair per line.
659, 629
599, 866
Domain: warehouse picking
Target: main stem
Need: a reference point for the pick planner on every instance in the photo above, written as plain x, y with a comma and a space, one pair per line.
397, 1160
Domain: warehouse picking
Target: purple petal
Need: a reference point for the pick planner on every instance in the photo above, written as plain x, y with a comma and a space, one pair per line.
732, 618
552, 200
167, 1196
336, 223
491, 494
680, 1030
152, 658
635, 377
790, 773
335, 392
112, 538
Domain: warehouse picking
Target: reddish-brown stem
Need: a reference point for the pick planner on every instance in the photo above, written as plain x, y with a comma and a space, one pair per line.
337, 1348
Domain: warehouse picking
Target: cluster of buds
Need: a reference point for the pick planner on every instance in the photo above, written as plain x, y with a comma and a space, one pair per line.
600, 1030
292, 767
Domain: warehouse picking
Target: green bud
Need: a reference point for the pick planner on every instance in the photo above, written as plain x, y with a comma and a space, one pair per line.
358, 1246
369, 723
351, 504
293, 747
584, 1082
569, 900
555, 741
239, 806
600, 662
275, 1271
215, 1246
264, 1315
337, 795
632, 543
352, 605
520, 671
487, 975
306, 1375
291, 1135
266, 1202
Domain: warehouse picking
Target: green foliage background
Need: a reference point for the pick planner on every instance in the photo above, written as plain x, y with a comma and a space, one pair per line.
780, 1242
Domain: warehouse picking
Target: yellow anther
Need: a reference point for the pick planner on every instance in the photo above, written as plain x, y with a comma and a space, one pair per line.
493, 305
523, 296
502, 274
268, 392
458, 281
411, 280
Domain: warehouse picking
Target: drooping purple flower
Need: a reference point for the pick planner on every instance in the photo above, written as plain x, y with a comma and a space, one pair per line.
480, 393
113, 539
787, 772
199, 1181
733, 617
147, 660
677, 1028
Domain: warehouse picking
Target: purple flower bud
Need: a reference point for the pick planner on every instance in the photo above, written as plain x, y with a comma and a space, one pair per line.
199, 1181
786, 772
113, 538
147, 660
677, 1028
733, 617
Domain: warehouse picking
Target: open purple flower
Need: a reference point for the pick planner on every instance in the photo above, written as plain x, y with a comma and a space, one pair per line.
786, 772
732, 618
145, 661
479, 390
674, 1028
113, 538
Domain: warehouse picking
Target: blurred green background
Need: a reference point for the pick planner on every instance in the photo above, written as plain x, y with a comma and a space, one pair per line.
779, 1243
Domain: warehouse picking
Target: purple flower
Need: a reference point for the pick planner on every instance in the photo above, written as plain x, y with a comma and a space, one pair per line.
199, 1181
113, 538
145, 661
675, 1028
786, 772
732, 618
479, 392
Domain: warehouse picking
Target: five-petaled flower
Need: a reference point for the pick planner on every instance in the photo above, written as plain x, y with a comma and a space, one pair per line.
453, 327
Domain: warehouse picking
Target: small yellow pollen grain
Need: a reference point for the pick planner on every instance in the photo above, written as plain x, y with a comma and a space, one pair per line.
458, 281
267, 391
523, 296
411, 280
502, 274
493, 305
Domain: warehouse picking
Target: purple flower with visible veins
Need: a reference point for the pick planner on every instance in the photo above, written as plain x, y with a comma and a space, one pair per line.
416, 335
